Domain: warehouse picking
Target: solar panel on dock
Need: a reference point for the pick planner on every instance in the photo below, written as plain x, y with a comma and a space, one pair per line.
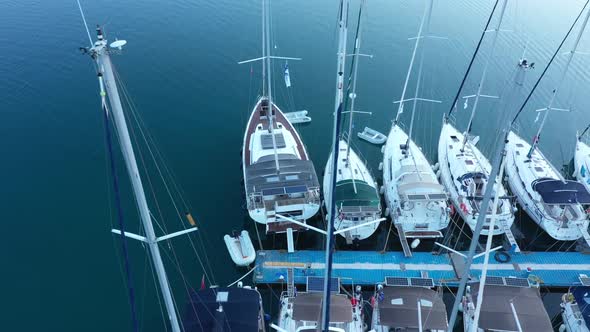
585, 280
316, 285
490, 280
396, 281
422, 282
517, 282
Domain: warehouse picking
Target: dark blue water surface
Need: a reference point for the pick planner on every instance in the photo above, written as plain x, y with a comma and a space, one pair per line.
61, 266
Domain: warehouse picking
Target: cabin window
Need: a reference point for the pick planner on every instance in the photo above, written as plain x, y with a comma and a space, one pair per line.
390, 170
272, 179
539, 169
469, 162
519, 145
454, 138
292, 177
425, 303
398, 301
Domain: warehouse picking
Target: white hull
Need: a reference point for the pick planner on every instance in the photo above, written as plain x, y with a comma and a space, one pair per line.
240, 248
522, 173
582, 164
456, 166
355, 170
414, 197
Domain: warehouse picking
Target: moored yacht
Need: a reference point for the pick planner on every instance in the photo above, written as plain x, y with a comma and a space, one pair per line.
575, 308
357, 200
551, 201
403, 307
582, 161
279, 178
302, 311
465, 170
505, 307
416, 201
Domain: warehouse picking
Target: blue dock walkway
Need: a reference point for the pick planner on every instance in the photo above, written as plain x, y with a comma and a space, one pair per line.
555, 269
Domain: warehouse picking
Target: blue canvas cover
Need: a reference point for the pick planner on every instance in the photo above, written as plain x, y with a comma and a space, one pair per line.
554, 191
582, 296
240, 312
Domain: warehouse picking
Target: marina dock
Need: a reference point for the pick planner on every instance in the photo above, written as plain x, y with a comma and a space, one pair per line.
553, 269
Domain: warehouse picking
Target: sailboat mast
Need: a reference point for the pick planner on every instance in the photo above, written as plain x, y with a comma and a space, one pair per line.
342, 29
270, 115
357, 46
486, 260
400, 108
485, 71
263, 48
558, 86
428, 15
107, 80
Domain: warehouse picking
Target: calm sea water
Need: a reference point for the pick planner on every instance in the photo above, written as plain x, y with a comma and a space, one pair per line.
61, 265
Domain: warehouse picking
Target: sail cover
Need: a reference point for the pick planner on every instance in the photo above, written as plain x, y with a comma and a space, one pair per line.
240, 312
561, 192
287, 77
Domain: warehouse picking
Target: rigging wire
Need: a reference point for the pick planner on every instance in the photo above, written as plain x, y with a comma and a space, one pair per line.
146, 138
119, 208
549, 64
483, 33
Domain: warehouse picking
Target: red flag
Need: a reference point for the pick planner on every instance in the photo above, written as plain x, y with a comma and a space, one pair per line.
203, 283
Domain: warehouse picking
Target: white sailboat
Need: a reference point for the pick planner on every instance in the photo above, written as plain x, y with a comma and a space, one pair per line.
554, 203
279, 177
321, 307
465, 170
301, 311
582, 160
357, 198
416, 201
408, 304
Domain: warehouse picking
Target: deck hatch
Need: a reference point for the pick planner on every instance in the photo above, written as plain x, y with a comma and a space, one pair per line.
266, 141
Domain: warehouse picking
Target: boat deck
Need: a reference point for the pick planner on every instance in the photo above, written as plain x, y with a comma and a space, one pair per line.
555, 269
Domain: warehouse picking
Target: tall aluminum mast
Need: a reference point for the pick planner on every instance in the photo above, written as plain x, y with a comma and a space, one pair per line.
558, 86
427, 15
357, 46
342, 34
267, 57
485, 71
100, 52
400, 108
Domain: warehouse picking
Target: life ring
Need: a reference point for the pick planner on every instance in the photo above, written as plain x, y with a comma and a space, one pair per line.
502, 257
